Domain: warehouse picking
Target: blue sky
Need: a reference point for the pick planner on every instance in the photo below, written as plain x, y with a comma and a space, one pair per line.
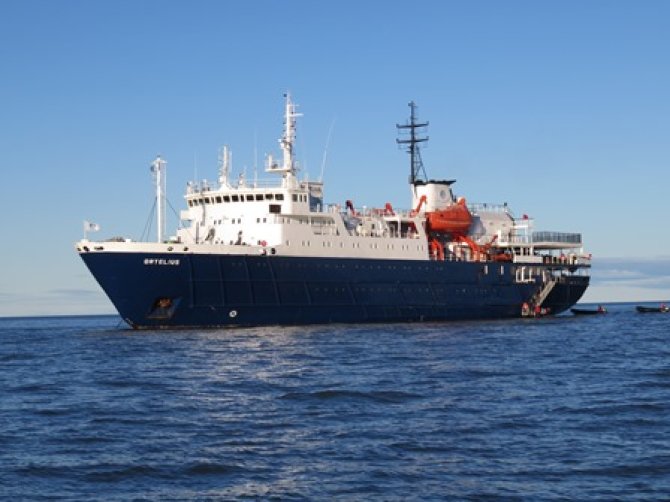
559, 108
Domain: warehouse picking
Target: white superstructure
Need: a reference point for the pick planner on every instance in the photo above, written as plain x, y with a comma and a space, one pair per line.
290, 217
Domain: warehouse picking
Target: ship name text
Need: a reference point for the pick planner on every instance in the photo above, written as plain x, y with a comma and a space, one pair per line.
161, 261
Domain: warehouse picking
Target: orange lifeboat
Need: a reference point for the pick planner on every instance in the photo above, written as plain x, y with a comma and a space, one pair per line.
455, 219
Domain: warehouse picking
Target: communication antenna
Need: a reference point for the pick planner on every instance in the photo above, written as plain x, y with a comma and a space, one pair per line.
224, 165
412, 139
160, 174
325, 150
255, 159
195, 166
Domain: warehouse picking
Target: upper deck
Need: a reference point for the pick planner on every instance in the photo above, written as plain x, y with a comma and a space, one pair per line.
289, 217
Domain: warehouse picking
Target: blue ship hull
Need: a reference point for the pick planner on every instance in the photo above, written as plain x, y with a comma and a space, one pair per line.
199, 290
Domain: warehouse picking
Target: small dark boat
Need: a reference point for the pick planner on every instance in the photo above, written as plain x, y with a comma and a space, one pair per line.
646, 310
599, 310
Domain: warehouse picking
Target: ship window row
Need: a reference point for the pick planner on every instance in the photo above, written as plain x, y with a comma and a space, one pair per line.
233, 221
298, 197
316, 223
326, 289
356, 266
218, 199
527, 274
355, 245
477, 291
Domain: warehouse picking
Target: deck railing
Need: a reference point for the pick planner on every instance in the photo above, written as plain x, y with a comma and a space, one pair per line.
564, 237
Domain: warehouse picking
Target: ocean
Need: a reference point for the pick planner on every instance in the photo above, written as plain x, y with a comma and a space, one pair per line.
557, 408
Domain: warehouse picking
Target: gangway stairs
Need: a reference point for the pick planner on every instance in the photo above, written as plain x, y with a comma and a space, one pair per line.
542, 294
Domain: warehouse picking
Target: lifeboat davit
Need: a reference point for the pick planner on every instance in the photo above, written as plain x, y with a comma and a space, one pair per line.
455, 219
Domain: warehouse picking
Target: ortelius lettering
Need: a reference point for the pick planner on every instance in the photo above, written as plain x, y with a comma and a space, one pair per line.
161, 261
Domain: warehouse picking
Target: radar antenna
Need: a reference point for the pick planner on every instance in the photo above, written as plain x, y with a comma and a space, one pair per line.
412, 139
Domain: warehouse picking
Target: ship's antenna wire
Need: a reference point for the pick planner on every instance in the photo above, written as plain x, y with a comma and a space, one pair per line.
147, 225
303, 164
174, 211
325, 150
179, 220
255, 158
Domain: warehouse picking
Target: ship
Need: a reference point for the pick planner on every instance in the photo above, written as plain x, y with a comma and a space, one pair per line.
272, 252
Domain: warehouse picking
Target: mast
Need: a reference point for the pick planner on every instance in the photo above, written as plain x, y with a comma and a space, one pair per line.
287, 142
159, 171
224, 166
415, 128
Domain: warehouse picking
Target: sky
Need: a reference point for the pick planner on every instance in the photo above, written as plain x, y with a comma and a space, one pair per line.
559, 108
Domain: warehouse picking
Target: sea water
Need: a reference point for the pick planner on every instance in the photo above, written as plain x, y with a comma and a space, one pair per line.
558, 408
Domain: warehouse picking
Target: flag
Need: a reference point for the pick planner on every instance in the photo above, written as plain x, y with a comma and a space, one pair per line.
91, 227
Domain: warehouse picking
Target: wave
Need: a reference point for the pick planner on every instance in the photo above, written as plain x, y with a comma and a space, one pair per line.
211, 468
384, 396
